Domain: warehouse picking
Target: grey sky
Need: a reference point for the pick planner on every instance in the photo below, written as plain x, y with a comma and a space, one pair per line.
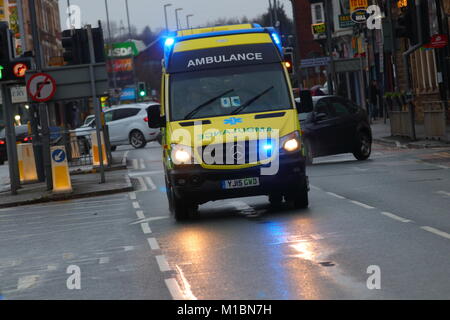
150, 12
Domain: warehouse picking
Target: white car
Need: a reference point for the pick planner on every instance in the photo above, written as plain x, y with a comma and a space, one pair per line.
128, 124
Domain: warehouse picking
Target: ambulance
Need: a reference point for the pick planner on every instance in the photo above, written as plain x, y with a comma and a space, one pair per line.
228, 119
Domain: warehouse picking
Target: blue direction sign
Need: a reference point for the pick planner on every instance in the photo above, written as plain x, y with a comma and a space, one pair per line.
59, 155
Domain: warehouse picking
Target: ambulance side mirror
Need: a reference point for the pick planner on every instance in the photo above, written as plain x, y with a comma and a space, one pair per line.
306, 103
155, 120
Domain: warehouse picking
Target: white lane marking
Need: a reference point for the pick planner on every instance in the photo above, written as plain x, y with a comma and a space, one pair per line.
174, 289
153, 243
142, 183
132, 195
142, 164
146, 228
444, 193
128, 248
52, 267
136, 205
315, 188
144, 173
361, 204
135, 164
150, 183
443, 167
395, 217
103, 260
187, 292
140, 214
124, 159
150, 219
335, 195
163, 264
27, 282
436, 231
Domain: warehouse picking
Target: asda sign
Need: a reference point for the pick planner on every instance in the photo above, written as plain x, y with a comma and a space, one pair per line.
122, 49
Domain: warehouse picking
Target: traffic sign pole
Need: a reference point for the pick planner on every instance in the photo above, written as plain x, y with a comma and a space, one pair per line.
10, 141
98, 120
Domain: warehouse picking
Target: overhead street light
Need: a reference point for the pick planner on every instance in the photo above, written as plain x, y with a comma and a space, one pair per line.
187, 20
176, 17
165, 14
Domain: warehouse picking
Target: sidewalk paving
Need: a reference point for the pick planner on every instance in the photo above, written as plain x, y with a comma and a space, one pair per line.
85, 183
381, 133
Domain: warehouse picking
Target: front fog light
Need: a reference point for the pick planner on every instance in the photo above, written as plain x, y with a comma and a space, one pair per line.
291, 145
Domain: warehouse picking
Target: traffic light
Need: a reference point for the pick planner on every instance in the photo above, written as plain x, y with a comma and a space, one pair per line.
76, 46
72, 47
408, 23
142, 90
289, 62
99, 44
11, 68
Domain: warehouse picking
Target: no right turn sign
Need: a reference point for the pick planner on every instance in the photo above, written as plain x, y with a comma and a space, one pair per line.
41, 87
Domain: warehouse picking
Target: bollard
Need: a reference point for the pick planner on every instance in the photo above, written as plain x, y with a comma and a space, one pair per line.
60, 170
75, 149
95, 151
27, 164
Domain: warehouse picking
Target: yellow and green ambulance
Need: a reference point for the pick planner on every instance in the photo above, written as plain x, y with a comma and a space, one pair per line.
228, 119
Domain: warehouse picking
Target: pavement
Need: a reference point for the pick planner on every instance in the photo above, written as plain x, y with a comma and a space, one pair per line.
382, 134
85, 183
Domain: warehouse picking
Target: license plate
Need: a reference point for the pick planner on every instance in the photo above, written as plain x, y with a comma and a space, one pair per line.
240, 183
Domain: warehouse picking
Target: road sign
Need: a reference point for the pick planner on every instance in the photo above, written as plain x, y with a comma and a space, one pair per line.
437, 41
20, 69
74, 81
58, 155
41, 87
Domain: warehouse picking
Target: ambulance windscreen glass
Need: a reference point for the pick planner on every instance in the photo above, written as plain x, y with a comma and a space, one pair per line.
222, 92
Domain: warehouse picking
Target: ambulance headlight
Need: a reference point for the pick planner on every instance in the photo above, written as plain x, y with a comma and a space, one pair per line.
291, 142
182, 154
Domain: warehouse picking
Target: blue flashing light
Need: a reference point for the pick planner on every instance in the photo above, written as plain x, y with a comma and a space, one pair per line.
169, 42
276, 38
267, 147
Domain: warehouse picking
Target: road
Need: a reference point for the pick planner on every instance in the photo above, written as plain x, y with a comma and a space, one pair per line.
388, 216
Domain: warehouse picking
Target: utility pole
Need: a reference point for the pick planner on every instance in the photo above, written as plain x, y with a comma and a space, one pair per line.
297, 56
43, 110
329, 32
271, 13
10, 140
98, 117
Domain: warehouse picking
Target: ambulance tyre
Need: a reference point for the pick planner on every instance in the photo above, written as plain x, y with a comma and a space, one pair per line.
298, 198
181, 209
275, 199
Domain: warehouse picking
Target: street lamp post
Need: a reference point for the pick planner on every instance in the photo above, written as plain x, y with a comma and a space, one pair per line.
132, 58
165, 14
176, 17
187, 20
110, 41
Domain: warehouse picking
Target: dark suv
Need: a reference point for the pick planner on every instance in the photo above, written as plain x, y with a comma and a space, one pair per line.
336, 125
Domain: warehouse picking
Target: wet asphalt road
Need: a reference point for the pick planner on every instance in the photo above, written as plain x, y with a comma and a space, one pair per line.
390, 214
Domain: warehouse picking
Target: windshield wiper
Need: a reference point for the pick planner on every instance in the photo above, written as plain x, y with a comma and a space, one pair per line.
197, 109
249, 102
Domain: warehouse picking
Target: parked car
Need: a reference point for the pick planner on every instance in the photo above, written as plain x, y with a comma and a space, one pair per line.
21, 137
128, 124
336, 125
